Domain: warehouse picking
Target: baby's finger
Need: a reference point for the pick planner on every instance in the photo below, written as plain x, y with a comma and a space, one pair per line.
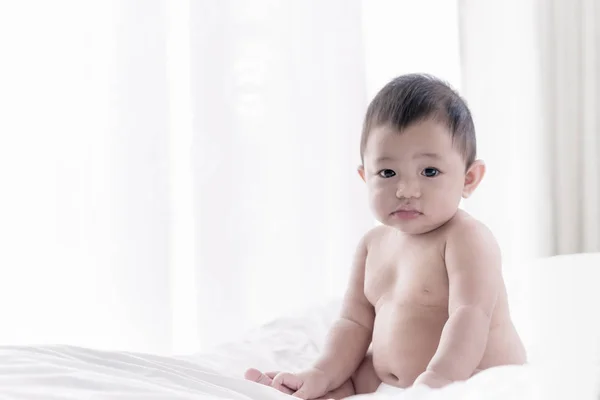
303, 394
258, 377
271, 374
310, 392
286, 382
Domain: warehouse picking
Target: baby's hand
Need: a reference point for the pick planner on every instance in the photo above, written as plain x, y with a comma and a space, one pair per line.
310, 384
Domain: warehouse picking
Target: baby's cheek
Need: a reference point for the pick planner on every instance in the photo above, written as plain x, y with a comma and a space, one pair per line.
380, 202
447, 200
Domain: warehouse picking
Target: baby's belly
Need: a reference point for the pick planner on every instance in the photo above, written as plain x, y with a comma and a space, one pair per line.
405, 338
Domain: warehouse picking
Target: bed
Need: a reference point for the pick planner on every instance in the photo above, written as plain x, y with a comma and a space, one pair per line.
554, 304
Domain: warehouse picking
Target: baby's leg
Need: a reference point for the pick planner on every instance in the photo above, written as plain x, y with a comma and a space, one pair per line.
365, 379
346, 390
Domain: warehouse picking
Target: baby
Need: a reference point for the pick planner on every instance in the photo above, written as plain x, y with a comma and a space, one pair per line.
426, 302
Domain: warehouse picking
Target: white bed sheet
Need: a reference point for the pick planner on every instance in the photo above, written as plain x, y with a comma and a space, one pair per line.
60, 372
66, 372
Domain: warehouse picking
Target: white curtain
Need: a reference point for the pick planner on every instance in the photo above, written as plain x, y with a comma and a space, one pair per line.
84, 211
277, 108
174, 173
530, 73
571, 52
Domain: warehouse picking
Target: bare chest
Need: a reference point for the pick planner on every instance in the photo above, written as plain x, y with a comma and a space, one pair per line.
407, 272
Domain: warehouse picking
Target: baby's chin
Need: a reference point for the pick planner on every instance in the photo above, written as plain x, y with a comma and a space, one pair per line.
412, 230
414, 226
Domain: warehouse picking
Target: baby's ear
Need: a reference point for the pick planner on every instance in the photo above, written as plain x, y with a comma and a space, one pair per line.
361, 172
473, 177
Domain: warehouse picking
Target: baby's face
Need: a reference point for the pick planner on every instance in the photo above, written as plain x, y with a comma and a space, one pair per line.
415, 178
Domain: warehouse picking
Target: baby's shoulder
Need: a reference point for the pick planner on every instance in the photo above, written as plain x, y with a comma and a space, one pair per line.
464, 224
374, 235
467, 233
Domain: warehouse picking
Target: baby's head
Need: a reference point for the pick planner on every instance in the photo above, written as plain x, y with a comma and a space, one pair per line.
418, 153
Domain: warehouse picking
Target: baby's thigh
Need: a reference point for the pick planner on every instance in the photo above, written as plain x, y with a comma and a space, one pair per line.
365, 380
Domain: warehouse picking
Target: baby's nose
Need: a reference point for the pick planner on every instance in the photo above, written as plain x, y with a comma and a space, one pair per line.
408, 189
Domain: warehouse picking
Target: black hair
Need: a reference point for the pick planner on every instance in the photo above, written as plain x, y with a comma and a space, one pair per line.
413, 98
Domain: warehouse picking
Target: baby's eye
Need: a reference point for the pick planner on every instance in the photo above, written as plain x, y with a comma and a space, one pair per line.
430, 172
386, 173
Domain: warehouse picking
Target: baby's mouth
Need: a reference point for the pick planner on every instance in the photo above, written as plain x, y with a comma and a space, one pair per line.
406, 213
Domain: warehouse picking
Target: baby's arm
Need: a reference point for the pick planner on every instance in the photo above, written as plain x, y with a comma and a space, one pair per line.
474, 274
349, 338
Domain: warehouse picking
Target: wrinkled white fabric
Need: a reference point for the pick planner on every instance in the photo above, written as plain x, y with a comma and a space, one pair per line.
64, 372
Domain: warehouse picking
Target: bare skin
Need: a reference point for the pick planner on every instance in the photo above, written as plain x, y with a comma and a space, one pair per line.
426, 302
